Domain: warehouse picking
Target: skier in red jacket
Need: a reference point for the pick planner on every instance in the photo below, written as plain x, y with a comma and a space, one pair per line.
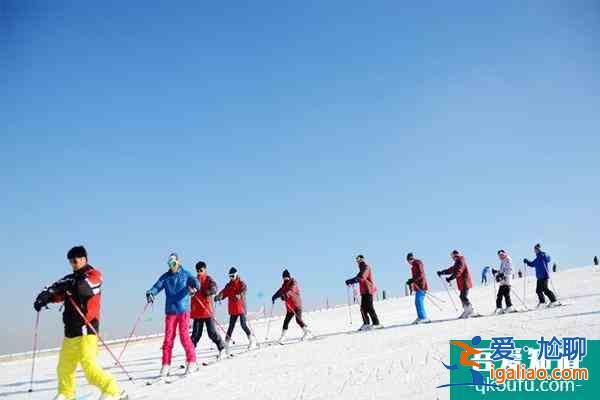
235, 292
418, 283
290, 293
203, 310
460, 272
366, 283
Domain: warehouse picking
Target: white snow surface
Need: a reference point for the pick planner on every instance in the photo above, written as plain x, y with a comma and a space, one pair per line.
400, 361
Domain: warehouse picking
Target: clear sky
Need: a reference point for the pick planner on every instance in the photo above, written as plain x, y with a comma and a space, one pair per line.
296, 134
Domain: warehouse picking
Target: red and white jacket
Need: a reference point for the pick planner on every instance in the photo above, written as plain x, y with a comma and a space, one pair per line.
290, 293
235, 292
202, 302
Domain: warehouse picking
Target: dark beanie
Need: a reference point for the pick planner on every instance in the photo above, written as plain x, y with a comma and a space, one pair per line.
77, 252
409, 256
232, 271
200, 265
538, 246
286, 274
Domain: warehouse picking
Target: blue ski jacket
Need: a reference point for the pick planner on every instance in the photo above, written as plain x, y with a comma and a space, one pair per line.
176, 286
541, 265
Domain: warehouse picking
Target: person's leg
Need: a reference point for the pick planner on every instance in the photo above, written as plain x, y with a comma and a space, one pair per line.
183, 323
286, 321
232, 321
213, 334
364, 308
299, 320
244, 324
170, 325
371, 311
507, 296
539, 289
94, 374
464, 297
68, 359
548, 292
196, 331
499, 297
420, 304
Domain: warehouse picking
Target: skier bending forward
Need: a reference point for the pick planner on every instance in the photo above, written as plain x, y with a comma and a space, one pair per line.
290, 293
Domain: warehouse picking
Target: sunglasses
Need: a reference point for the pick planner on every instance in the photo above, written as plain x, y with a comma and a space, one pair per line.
232, 276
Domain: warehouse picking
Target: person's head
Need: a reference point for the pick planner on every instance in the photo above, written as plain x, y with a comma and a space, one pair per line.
537, 248
173, 262
502, 254
455, 255
77, 257
286, 275
201, 267
360, 258
233, 273
410, 258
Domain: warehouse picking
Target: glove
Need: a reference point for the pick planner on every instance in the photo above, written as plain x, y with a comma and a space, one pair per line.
218, 298
273, 298
409, 282
42, 300
439, 273
494, 271
149, 297
448, 279
499, 277
192, 291
349, 282
526, 261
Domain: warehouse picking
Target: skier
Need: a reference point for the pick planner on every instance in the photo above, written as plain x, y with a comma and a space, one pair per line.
418, 283
80, 345
460, 272
203, 309
503, 277
365, 281
178, 285
542, 273
290, 293
235, 291
484, 276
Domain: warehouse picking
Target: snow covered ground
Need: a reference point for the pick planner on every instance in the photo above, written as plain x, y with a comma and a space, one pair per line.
400, 361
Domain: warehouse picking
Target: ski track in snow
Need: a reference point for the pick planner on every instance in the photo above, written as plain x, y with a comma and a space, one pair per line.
400, 361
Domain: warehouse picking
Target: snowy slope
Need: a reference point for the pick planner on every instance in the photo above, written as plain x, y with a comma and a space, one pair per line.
400, 361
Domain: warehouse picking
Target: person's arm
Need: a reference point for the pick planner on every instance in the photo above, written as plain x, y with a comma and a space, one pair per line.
277, 294
192, 281
225, 293
362, 268
210, 289
55, 293
156, 288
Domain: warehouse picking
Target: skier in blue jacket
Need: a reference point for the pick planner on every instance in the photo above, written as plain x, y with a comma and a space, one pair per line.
178, 285
542, 273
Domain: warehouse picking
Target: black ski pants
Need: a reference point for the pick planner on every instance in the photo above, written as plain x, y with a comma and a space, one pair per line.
464, 297
288, 317
503, 292
243, 322
198, 327
367, 310
542, 289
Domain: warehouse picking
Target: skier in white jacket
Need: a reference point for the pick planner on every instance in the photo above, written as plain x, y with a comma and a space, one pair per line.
503, 277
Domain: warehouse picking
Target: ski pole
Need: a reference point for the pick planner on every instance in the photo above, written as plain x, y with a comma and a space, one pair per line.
35, 345
349, 306
216, 321
524, 280
521, 300
135, 325
448, 291
554, 287
269, 322
434, 303
436, 298
89, 325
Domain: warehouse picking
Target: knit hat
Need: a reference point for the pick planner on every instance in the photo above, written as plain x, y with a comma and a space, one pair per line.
409, 256
537, 246
77, 252
286, 274
232, 271
200, 265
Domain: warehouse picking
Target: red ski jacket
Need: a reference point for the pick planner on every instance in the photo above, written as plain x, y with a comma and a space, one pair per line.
365, 279
235, 291
202, 302
460, 271
290, 293
84, 287
419, 281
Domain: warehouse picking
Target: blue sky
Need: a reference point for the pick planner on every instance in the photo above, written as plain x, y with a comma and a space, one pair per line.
274, 134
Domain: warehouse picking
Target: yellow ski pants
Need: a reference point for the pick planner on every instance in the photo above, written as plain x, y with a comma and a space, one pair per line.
82, 350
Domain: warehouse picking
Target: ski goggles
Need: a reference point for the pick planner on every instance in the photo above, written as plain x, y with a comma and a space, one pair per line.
173, 261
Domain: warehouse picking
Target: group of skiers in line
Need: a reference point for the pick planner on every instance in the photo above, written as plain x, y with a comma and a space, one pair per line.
192, 297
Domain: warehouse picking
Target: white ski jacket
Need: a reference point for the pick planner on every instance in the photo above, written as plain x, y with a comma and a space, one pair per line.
507, 270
